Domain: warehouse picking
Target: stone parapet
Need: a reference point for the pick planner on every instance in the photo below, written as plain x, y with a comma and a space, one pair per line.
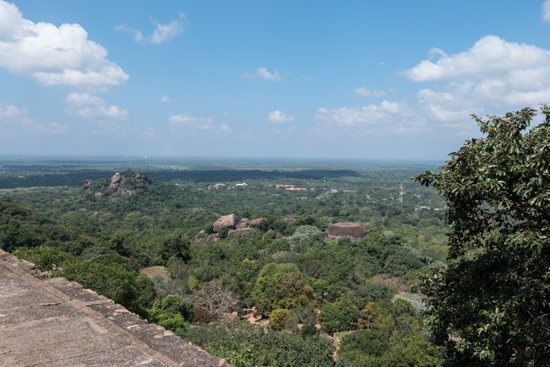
55, 322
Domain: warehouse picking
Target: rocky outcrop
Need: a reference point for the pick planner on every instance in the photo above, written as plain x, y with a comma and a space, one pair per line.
255, 222
120, 184
213, 237
244, 223
229, 221
355, 232
116, 181
289, 220
247, 223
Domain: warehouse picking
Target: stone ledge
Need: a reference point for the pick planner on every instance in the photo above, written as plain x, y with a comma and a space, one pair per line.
59, 323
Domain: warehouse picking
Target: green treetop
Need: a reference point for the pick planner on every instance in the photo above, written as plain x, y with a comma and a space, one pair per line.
491, 306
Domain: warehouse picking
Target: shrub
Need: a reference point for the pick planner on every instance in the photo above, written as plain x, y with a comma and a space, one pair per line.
243, 344
278, 318
201, 317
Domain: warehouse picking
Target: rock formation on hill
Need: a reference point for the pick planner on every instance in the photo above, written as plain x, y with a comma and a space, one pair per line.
353, 231
229, 221
237, 227
122, 183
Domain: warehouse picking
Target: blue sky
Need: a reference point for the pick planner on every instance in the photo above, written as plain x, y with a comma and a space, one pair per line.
348, 79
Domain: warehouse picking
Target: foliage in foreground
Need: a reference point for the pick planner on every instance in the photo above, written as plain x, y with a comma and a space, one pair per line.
117, 282
492, 308
243, 344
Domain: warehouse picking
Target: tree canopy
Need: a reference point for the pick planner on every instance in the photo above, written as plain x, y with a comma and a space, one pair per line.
491, 305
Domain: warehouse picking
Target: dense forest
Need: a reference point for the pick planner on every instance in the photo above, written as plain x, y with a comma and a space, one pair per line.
275, 294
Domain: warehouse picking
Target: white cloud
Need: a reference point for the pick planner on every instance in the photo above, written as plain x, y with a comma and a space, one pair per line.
166, 32
162, 32
8, 112
491, 73
489, 56
166, 99
372, 114
52, 55
94, 108
262, 73
138, 37
449, 106
187, 121
193, 124
278, 117
15, 117
415, 126
365, 92
546, 11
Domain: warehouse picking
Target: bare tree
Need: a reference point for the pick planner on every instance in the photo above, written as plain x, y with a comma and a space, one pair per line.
215, 298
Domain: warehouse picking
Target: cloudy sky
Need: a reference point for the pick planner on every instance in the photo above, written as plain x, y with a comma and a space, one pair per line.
346, 79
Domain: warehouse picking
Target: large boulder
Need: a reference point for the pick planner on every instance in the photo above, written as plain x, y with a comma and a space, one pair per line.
244, 223
116, 181
229, 221
353, 231
290, 220
255, 222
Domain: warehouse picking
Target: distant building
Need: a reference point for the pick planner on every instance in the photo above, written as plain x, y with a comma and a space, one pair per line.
244, 184
295, 188
279, 186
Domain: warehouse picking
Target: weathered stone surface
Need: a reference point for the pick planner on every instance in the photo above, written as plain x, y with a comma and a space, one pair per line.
289, 220
88, 182
213, 237
240, 231
98, 195
116, 181
353, 231
58, 323
244, 223
229, 221
255, 222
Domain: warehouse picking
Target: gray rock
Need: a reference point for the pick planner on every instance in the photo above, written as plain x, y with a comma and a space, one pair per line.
244, 223
229, 221
255, 222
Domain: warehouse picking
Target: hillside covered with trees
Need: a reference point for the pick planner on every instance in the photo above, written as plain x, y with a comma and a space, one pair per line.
153, 247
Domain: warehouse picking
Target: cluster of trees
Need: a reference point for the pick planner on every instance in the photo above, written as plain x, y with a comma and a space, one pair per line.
490, 306
486, 306
285, 271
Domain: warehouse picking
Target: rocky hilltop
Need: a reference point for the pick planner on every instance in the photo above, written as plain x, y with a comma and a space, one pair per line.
237, 226
122, 183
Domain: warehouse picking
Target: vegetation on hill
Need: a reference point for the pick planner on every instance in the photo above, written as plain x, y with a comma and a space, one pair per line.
282, 270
